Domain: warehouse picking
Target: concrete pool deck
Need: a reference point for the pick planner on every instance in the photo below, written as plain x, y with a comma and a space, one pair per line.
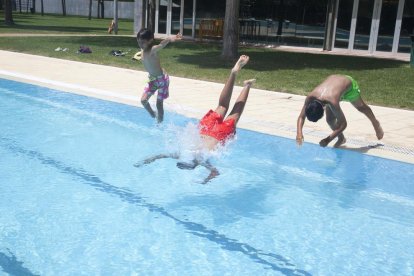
266, 111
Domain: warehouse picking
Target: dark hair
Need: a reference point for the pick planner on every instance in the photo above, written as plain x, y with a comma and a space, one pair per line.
314, 111
187, 166
145, 34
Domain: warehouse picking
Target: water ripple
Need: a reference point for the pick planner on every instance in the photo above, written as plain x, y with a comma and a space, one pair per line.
269, 260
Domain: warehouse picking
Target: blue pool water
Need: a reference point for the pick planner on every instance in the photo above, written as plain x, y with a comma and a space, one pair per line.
72, 203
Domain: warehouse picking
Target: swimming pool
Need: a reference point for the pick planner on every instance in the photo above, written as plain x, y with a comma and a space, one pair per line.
71, 201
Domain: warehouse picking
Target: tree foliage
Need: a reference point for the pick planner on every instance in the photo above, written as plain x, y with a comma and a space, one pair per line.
231, 30
8, 13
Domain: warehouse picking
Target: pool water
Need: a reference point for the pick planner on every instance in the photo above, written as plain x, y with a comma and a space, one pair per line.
72, 203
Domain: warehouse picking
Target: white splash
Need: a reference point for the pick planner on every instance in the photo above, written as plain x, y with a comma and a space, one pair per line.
186, 141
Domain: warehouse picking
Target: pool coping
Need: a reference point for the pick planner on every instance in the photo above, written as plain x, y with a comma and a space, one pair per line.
269, 112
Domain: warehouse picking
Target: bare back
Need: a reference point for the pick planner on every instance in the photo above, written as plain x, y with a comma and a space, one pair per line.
151, 63
331, 89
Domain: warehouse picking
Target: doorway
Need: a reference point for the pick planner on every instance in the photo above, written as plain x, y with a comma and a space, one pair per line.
174, 16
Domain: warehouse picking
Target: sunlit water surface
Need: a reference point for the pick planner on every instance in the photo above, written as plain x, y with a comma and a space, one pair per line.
72, 203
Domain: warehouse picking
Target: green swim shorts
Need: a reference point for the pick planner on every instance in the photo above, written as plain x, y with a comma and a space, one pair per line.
353, 93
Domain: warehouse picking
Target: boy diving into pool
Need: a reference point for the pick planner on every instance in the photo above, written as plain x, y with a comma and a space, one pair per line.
326, 96
215, 128
158, 78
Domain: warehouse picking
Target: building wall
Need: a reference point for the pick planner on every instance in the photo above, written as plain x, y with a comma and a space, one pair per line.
81, 7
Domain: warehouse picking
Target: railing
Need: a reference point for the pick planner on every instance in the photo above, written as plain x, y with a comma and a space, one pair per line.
24, 6
251, 29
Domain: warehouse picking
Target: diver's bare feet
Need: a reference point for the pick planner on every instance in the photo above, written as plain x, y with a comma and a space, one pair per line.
243, 60
249, 82
340, 142
159, 119
154, 114
378, 130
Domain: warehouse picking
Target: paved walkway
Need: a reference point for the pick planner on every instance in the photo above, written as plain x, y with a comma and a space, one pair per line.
268, 112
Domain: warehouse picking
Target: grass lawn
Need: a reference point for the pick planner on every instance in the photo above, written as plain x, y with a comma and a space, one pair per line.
383, 82
58, 24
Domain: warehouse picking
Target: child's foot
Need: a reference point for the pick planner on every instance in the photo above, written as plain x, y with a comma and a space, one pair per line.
379, 131
243, 60
249, 82
159, 120
340, 142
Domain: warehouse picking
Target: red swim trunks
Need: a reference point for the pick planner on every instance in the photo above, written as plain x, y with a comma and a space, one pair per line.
213, 125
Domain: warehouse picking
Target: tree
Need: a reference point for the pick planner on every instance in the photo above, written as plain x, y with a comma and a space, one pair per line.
231, 30
150, 6
281, 17
115, 21
90, 10
151, 15
41, 7
8, 13
101, 9
64, 7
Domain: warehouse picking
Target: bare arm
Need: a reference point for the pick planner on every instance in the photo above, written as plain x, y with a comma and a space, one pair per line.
213, 172
341, 122
300, 123
154, 158
165, 42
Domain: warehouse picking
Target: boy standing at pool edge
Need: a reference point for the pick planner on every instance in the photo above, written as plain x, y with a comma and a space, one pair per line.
326, 97
158, 78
